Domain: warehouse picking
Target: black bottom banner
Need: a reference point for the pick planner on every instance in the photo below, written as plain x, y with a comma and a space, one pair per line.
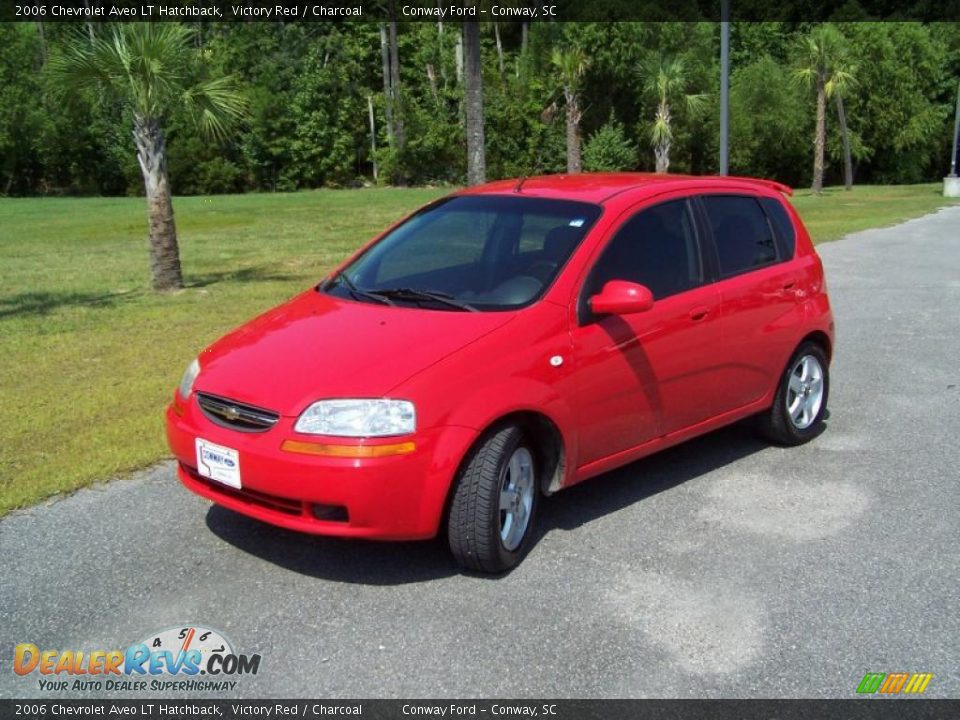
493, 709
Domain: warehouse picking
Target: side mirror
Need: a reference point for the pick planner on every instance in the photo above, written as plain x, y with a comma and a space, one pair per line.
620, 297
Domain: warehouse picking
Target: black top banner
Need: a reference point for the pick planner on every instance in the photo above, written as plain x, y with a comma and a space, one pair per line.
878, 709
474, 10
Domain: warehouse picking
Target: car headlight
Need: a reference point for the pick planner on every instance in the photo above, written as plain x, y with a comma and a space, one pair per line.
358, 418
189, 377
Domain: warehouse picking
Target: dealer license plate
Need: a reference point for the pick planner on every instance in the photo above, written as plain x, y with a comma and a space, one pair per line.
218, 463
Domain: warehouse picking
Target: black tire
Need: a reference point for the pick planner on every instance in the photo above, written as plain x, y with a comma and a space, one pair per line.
474, 519
777, 424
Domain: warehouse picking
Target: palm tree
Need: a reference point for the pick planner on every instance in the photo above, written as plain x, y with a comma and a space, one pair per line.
666, 79
387, 82
822, 66
571, 65
396, 93
147, 68
839, 90
476, 153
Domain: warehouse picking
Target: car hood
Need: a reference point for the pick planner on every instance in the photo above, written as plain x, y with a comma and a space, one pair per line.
317, 346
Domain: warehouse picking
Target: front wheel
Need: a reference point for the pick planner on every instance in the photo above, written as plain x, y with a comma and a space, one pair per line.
801, 400
494, 503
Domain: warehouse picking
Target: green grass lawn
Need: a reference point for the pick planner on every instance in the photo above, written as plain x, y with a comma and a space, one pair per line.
838, 212
91, 355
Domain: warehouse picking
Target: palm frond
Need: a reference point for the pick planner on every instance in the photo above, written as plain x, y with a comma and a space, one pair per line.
81, 65
822, 57
695, 102
805, 76
571, 63
842, 78
217, 105
150, 67
663, 76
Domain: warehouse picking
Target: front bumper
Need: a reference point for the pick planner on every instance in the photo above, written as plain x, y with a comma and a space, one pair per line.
399, 497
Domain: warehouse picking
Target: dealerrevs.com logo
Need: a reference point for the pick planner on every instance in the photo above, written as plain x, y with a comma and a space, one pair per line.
173, 659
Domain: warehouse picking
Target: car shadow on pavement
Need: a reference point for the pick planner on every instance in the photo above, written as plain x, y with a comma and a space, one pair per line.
644, 478
382, 563
333, 559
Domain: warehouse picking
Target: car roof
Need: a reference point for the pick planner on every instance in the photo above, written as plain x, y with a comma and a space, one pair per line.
599, 187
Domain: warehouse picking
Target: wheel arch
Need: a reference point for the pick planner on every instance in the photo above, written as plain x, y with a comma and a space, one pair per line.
550, 449
820, 338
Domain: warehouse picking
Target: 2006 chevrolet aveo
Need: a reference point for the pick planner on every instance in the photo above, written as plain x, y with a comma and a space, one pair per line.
504, 343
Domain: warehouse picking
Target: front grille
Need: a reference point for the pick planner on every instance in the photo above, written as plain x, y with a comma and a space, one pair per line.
235, 415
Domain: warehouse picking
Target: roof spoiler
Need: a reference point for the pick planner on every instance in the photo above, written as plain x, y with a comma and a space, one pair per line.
772, 184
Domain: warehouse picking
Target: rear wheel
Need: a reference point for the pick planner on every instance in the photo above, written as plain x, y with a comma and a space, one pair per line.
494, 503
801, 400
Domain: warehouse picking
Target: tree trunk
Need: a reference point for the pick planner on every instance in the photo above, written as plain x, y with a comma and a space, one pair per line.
661, 150
387, 94
522, 61
373, 138
86, 4
496, 34
164, 252
395, 77
573, 130
845, 135
662, 153
819, 138
476, 158
442, 44
432, 78
458, 56
43, 44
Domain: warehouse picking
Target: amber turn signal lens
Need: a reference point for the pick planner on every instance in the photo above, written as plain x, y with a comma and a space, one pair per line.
348, 451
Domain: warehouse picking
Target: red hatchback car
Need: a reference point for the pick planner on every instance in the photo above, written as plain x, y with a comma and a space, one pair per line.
504, 343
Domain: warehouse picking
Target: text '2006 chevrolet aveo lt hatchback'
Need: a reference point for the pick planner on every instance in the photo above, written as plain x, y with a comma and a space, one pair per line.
507, 342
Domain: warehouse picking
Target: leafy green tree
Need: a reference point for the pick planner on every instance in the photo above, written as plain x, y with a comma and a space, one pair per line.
609, 149
903, 99
823, 66
768, 123
525, 135
144, 67
20, 111
330, 109
268, 59
667, 80
308, 122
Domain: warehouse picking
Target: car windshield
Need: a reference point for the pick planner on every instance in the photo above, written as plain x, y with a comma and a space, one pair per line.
469, 253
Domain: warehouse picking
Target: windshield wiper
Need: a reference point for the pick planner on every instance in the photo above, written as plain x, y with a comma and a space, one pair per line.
358, 293
432, 295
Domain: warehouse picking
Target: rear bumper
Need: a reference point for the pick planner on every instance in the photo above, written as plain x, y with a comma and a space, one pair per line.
388, 498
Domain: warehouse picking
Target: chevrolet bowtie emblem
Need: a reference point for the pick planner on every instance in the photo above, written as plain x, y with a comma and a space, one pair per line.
231, 413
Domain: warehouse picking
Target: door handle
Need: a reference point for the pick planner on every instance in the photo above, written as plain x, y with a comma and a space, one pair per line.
790, 285
699, 313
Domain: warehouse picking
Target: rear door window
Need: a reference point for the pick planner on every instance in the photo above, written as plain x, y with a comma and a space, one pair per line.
741, 232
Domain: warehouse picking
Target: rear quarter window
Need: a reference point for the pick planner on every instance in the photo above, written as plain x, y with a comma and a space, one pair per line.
782, 225
741, 232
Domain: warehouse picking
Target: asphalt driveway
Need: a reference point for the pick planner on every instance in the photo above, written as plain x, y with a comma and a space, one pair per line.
721, 568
